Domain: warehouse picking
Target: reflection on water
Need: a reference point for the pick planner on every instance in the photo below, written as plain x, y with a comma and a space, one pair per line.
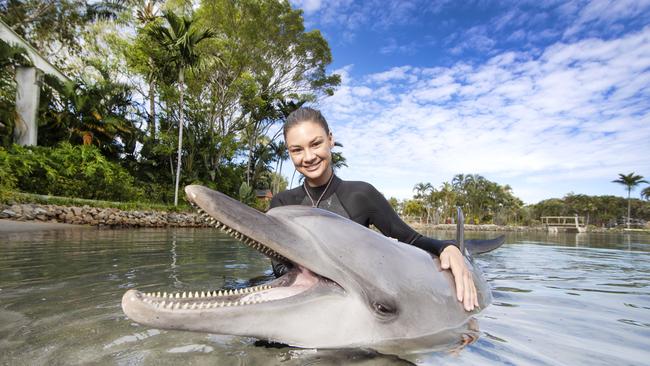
558, 299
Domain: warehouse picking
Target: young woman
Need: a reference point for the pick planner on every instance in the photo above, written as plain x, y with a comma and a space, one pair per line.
309, 142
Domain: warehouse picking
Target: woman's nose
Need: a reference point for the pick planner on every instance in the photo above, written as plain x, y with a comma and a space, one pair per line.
309, 155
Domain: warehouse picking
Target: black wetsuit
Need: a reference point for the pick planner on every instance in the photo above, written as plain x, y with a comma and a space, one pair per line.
362, 203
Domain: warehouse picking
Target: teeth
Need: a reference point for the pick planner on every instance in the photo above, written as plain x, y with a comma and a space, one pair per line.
184, 295
189, 295
169, 306
202, 294
178, 295
177, 306
219, 293
164, 295
186, 305
196, 294
193, 305
158, 294
162, 304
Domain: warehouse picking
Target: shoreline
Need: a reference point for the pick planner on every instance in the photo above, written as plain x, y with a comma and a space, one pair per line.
98, 217
85, 216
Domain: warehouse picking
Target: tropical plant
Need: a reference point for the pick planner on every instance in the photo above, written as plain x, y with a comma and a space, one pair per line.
630, 181
645, 193
90, 113
180, 39
67, 170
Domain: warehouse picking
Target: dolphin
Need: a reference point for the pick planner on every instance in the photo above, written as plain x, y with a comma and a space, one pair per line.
350, 287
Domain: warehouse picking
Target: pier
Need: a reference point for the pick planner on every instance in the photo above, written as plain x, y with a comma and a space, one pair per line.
569, 224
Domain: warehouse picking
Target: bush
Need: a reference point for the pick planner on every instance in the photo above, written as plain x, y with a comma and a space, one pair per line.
66, 170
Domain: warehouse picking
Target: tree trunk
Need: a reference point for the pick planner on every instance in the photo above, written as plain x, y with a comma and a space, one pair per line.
181, 81
152, 109
629, 190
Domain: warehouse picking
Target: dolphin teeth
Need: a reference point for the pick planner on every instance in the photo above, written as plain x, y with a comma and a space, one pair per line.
189, 295
202, 294
219, 293
164, 295
177, 306
184, 295
186, 305
193, 305
161, 304
177, 295
170, 305
196, 294
228, 303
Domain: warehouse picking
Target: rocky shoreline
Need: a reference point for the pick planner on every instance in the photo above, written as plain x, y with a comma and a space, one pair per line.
116, 218
101, 217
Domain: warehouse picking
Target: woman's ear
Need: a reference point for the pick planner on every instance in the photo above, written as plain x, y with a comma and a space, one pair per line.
331, 138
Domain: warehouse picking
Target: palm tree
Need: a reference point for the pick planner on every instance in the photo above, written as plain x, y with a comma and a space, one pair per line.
645, 193
630, 181
180, 40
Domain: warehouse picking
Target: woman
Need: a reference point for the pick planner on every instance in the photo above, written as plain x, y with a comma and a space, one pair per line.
309, 142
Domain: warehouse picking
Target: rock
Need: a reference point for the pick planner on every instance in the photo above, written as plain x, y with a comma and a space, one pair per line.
8, 214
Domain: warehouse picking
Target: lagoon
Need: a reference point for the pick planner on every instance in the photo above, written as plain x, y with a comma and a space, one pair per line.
573, 299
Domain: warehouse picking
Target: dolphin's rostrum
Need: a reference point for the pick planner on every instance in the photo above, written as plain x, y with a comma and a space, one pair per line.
349, 287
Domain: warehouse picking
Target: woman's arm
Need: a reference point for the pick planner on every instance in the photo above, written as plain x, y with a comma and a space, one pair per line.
390, 224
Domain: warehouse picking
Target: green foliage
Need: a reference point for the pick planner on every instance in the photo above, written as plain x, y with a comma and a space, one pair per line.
482, 201
67, 170
598, 210
246, 194
260, 65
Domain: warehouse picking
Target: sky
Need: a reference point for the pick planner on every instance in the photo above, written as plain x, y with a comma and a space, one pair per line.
549, 97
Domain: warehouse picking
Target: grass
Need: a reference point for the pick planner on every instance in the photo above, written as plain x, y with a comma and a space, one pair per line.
9, 197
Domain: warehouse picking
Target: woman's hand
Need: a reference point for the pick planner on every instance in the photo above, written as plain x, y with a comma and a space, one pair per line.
451, 258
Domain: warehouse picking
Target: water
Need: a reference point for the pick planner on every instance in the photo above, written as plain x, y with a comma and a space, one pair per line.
576, 299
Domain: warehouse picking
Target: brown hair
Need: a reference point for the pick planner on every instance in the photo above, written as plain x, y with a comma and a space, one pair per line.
305, 114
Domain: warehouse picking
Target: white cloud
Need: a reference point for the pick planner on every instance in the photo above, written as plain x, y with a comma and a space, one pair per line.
578, 112
309, 6
606, 12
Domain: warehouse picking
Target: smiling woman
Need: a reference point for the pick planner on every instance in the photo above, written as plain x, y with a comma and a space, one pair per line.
309, 141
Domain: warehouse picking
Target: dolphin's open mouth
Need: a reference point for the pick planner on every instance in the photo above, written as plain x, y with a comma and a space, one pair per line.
296, 281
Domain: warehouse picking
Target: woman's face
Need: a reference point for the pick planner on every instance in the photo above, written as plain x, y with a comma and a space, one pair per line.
310, 150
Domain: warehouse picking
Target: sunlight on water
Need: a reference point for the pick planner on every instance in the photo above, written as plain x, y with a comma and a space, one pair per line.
558, 299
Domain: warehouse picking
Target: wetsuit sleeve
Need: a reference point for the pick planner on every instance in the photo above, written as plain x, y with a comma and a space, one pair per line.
276, 201
390, 224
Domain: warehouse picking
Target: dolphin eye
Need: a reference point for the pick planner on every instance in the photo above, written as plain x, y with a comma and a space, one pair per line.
383, 309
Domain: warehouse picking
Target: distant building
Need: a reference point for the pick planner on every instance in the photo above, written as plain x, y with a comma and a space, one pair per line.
263, 194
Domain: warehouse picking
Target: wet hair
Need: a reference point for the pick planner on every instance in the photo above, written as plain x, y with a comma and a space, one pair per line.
305, 114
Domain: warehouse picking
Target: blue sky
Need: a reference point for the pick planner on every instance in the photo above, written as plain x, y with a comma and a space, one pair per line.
550, 97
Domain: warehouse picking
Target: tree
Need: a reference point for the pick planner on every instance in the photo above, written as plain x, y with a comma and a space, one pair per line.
180, 39
645, 193
630, 181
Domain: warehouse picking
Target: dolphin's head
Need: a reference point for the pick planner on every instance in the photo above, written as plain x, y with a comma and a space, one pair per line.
349, 286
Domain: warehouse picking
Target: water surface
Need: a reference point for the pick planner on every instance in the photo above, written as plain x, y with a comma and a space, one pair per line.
572, 299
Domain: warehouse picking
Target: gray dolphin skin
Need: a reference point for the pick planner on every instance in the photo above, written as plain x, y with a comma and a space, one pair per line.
349, 287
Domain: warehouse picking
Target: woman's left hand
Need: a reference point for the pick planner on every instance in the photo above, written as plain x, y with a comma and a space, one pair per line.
451, 258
